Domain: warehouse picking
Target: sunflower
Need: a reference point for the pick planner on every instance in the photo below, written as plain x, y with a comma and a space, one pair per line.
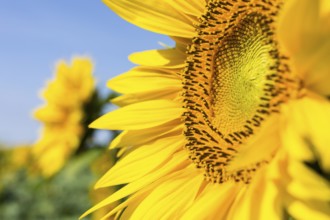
14, 158
63, 114
208, 125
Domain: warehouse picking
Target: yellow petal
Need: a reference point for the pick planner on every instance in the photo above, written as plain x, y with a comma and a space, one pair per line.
309, 121
139, 116
58, 154
173, 58
306, 184
259, 147
143, 136
306, 35
131, 206
316, 66
140, 80
214, 202
50, 114
297, 18
141, 161
309, 210
259, 201
179, 160
293, 139
137, 198
81, 77
191, 7
130, 203
170, 198
128, 99
158, 16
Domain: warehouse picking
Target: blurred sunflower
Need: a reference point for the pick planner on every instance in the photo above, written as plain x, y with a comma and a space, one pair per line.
207, 124
63, 114
14, 158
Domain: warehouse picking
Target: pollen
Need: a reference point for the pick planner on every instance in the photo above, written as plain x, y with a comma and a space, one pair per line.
236, 76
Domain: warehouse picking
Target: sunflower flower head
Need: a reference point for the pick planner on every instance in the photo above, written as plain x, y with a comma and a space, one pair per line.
63, 114
14, 158
207, 125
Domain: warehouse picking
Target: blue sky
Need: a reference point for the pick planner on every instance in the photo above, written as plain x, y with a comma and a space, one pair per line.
35, 34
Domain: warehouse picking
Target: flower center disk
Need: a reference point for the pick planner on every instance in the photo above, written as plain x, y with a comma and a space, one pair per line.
235, 78
239, 76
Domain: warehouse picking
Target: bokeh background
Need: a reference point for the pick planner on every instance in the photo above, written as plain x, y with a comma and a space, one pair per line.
35, 34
